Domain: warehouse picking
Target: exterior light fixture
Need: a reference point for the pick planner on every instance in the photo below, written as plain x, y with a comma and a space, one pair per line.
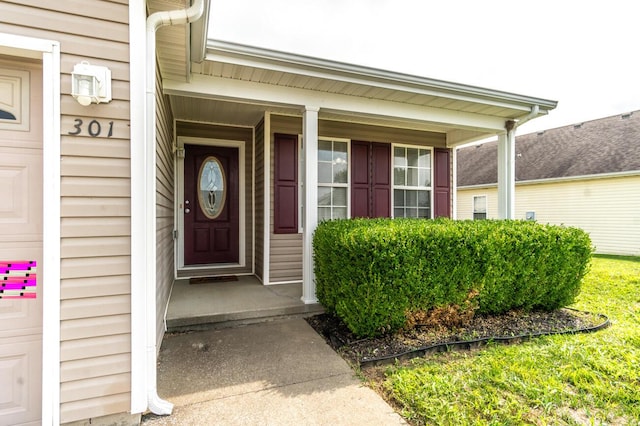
90, 83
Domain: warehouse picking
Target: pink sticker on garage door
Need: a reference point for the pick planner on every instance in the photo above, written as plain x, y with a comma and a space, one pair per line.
18, 279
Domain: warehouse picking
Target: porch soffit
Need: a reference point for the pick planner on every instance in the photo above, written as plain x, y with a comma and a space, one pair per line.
245, 66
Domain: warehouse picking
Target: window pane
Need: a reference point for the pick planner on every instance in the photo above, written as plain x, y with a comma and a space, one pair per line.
480, 204
399, 158
411, 212
325, 153
424, 213
412, 157
399, 176
340, 150
324, 196
340, 213
398, 197
412, 199
425, 177
423, 199
324, 172
398, 212
324, 213
412, 177
425, 158
340, 173
340, 197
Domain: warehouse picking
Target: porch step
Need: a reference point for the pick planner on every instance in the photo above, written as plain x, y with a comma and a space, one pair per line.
236, 319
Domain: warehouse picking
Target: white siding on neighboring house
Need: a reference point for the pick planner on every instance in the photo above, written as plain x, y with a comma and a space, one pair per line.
606, 208
95, 206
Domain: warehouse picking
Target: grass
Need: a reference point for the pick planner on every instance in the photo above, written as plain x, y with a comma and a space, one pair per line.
579, 379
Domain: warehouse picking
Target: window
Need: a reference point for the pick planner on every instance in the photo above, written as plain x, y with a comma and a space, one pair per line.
333, 179
411, 182
479, 207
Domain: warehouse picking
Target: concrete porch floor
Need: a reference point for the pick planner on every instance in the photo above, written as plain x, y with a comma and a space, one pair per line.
229, 303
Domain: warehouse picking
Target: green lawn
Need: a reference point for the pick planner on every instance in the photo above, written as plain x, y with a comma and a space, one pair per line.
579, 379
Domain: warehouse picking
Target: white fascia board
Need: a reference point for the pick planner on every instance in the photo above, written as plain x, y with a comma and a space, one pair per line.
238, 54
208, 87
613, 175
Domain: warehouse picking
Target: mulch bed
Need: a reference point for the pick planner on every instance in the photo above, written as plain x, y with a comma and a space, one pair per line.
512, 327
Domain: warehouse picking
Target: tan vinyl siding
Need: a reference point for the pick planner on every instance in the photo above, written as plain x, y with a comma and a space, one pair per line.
286, 249
606, 208
259, 200
165, 182
230, 133
95, 202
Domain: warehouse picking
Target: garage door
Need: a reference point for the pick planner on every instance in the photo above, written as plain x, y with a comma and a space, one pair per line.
20, 240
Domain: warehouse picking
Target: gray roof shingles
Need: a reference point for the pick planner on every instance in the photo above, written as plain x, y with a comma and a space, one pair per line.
606, 145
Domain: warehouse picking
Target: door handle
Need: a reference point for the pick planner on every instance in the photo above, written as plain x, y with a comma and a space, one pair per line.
187, 210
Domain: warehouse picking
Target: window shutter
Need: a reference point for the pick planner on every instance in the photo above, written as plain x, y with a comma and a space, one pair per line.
370, 179
285, 199
360, 179
381, 179
442, 183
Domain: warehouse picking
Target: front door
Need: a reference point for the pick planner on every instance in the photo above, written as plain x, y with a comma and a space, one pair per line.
20, 240
211, 205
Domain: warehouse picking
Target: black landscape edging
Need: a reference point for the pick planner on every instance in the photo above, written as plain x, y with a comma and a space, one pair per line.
476, 343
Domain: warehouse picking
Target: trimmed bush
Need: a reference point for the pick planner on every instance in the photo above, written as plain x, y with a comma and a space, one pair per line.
378, 275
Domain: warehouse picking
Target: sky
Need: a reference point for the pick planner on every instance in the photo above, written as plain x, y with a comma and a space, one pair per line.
583, 54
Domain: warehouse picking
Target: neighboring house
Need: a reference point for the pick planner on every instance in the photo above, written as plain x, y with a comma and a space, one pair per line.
200, 164
585, 175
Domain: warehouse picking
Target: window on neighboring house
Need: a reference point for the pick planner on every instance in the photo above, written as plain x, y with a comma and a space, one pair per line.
479, 207
411, 182
333, 179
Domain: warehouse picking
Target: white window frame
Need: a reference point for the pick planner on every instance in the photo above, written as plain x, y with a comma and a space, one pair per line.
346, 185
408, 187
473, 206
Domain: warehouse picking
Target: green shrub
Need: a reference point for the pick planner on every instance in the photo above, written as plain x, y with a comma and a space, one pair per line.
377, 274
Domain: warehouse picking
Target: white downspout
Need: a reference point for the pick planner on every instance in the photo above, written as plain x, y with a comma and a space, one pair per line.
535, 111
175, 17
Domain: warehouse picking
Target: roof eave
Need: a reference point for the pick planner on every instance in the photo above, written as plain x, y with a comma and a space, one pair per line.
297, 64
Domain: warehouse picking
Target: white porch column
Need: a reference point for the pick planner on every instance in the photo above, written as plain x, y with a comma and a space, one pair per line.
507, 172
310, 185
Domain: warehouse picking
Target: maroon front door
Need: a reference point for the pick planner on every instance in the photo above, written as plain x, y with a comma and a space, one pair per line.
211, 219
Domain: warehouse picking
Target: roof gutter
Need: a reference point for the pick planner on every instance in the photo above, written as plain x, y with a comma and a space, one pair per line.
159, 19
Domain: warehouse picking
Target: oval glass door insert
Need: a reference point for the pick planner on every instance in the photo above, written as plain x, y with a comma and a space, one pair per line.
211, 187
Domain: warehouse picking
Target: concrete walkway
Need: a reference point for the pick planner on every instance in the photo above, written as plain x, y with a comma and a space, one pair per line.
274, 373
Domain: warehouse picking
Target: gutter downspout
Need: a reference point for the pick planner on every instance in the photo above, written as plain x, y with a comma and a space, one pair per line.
156, 405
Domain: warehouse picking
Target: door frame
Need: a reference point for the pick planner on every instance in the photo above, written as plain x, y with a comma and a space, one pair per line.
179, 196
48, 52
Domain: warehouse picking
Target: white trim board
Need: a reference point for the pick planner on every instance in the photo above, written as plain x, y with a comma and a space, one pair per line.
49, 52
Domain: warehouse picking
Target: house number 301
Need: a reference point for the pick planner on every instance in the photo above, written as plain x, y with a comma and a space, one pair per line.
94, 128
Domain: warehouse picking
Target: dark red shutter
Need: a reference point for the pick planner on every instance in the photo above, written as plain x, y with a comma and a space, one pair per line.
285, 194
370, 179
381, 180
442, 184
360, 179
